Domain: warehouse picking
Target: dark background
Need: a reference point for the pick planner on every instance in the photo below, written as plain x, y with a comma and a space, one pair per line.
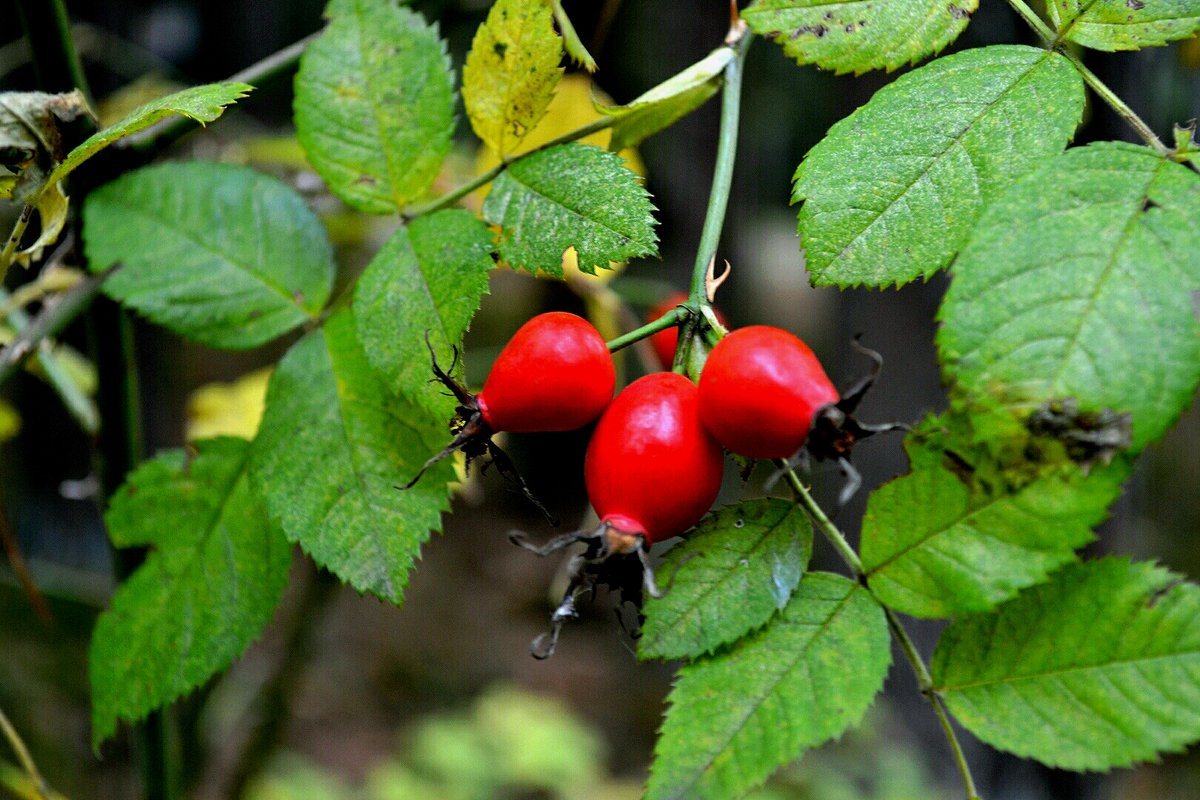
360, 673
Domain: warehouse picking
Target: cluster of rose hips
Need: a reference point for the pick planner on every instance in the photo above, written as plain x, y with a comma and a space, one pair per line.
655, 460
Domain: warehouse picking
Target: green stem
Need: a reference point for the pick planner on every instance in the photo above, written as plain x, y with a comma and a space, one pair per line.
55, 58
911, 654
120, 449
77, 402
26, 760
449, 199
51, 320
281, 686
718, 197
1034, 21
694, 324
667, 320
925, 684
823, 522
1055, 42
1117, 104
960, 758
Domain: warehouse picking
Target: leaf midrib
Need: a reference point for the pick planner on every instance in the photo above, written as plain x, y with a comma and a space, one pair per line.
1063, 671
358, 476
711, 587
196, 548
938, 156
390, 155
1071, 345
560, 204
790, 668
170, 224
964, 518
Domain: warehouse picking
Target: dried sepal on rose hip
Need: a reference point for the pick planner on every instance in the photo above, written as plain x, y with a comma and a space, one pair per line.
554, 374
764, 394
652, 470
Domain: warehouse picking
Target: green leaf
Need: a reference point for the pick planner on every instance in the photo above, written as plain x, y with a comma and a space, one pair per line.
940, 541
667, 102
1099, 668
571, 41
859, 35
204, 593
374, 104
221, 254
572, 195
732, 574
200, 103
805, 678
427, 280
1076, 283
332, 447
892, 191
511, 72
1124, 24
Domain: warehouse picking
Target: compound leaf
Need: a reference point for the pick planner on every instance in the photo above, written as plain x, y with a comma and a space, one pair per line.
200, 103
732, 574
859, 35
511, 72
892, 191
803, 679
571, 195
1076, 283
426, 281
1097, 669
936, 543
210, 585
1124, 24
374, 104
221, 254
332, 446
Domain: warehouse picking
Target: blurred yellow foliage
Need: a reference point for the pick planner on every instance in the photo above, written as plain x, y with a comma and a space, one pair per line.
10, 422
228, 409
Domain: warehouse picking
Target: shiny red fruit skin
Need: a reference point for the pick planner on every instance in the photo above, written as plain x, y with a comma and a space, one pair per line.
759, 391
651, 467
665, 341
555, 374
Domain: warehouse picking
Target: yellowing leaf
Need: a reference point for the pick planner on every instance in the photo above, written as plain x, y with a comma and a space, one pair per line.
51, 205
511, 72
10, 422
228, 409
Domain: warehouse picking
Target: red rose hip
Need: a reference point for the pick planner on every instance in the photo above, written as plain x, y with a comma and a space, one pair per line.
760, 392
652, 469
555, 374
